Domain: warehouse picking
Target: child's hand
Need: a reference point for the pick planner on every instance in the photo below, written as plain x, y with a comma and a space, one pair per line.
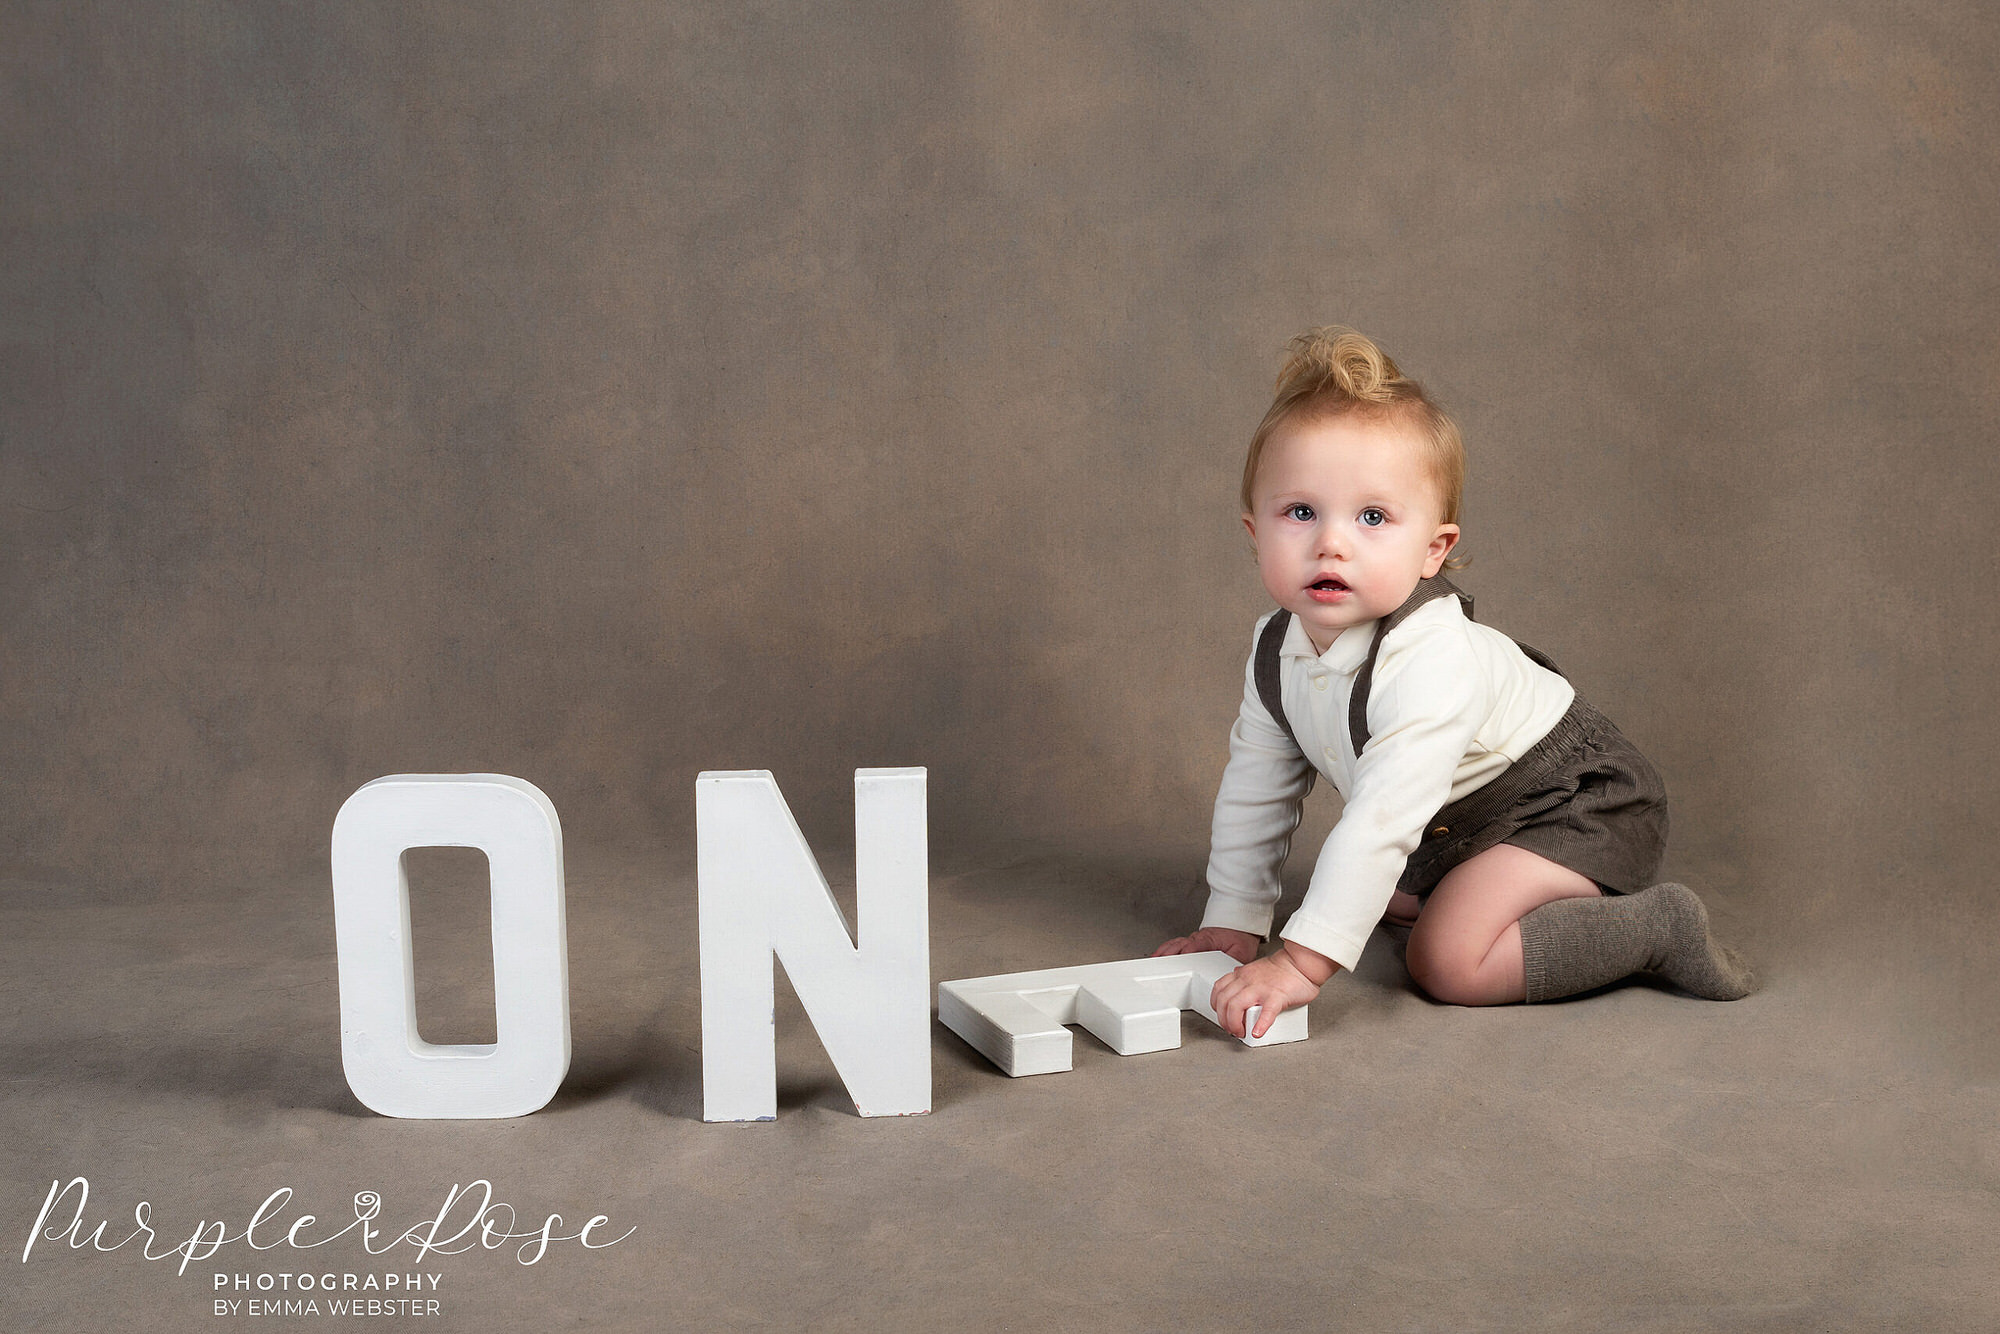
1238, 945
1274, 984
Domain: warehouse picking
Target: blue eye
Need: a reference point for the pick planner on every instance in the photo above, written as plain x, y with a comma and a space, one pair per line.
1301, 513
1372, 517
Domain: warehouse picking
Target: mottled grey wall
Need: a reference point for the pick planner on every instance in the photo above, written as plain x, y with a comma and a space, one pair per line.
602, 393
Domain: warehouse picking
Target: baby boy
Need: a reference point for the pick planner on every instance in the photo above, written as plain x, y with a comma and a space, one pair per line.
1487, 805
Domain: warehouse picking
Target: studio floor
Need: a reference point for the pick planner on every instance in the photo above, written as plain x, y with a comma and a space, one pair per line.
1633, 1160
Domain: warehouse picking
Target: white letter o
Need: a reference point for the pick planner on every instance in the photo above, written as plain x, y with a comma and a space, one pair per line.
391, 1070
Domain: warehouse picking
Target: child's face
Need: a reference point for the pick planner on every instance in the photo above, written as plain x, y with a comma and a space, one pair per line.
1346, 521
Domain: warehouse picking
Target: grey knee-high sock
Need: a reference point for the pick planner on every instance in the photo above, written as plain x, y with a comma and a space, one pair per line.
1575, 945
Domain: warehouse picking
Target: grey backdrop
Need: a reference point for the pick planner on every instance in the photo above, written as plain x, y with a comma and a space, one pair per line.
599, 394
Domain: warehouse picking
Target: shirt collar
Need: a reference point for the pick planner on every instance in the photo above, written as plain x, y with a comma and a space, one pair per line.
1344, 655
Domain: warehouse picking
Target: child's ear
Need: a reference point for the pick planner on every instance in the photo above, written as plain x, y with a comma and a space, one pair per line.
1442, 542
1250, 525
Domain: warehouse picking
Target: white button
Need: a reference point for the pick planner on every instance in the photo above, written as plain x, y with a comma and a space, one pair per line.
1319, 683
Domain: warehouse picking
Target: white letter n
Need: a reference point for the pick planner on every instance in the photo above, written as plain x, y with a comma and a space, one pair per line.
761, 894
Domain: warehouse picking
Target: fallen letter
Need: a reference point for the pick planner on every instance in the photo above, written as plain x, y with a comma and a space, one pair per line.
1016, 1020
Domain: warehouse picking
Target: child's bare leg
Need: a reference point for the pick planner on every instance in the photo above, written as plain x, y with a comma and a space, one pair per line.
1466, 946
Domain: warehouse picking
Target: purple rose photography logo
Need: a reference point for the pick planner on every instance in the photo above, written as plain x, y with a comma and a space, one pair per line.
470, 1218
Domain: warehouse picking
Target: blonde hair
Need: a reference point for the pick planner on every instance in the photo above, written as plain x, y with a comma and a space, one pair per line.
1333, 371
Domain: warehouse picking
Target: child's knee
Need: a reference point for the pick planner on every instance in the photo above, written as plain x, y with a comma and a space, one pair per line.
1444, 972
1437, 969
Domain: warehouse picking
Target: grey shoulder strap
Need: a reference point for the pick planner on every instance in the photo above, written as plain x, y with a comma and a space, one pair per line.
1264, 668
1436, 586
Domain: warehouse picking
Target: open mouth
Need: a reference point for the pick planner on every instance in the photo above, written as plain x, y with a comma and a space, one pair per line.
1328, 589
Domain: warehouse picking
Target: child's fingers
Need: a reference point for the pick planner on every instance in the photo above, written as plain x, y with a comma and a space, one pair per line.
1232, 1000
1267, 1014
1218, 1000
1239, 1012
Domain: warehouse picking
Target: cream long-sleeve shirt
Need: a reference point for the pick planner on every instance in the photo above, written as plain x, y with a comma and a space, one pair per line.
1453, 703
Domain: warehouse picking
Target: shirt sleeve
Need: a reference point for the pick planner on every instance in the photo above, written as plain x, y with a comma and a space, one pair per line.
1256, 811
1429, 698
